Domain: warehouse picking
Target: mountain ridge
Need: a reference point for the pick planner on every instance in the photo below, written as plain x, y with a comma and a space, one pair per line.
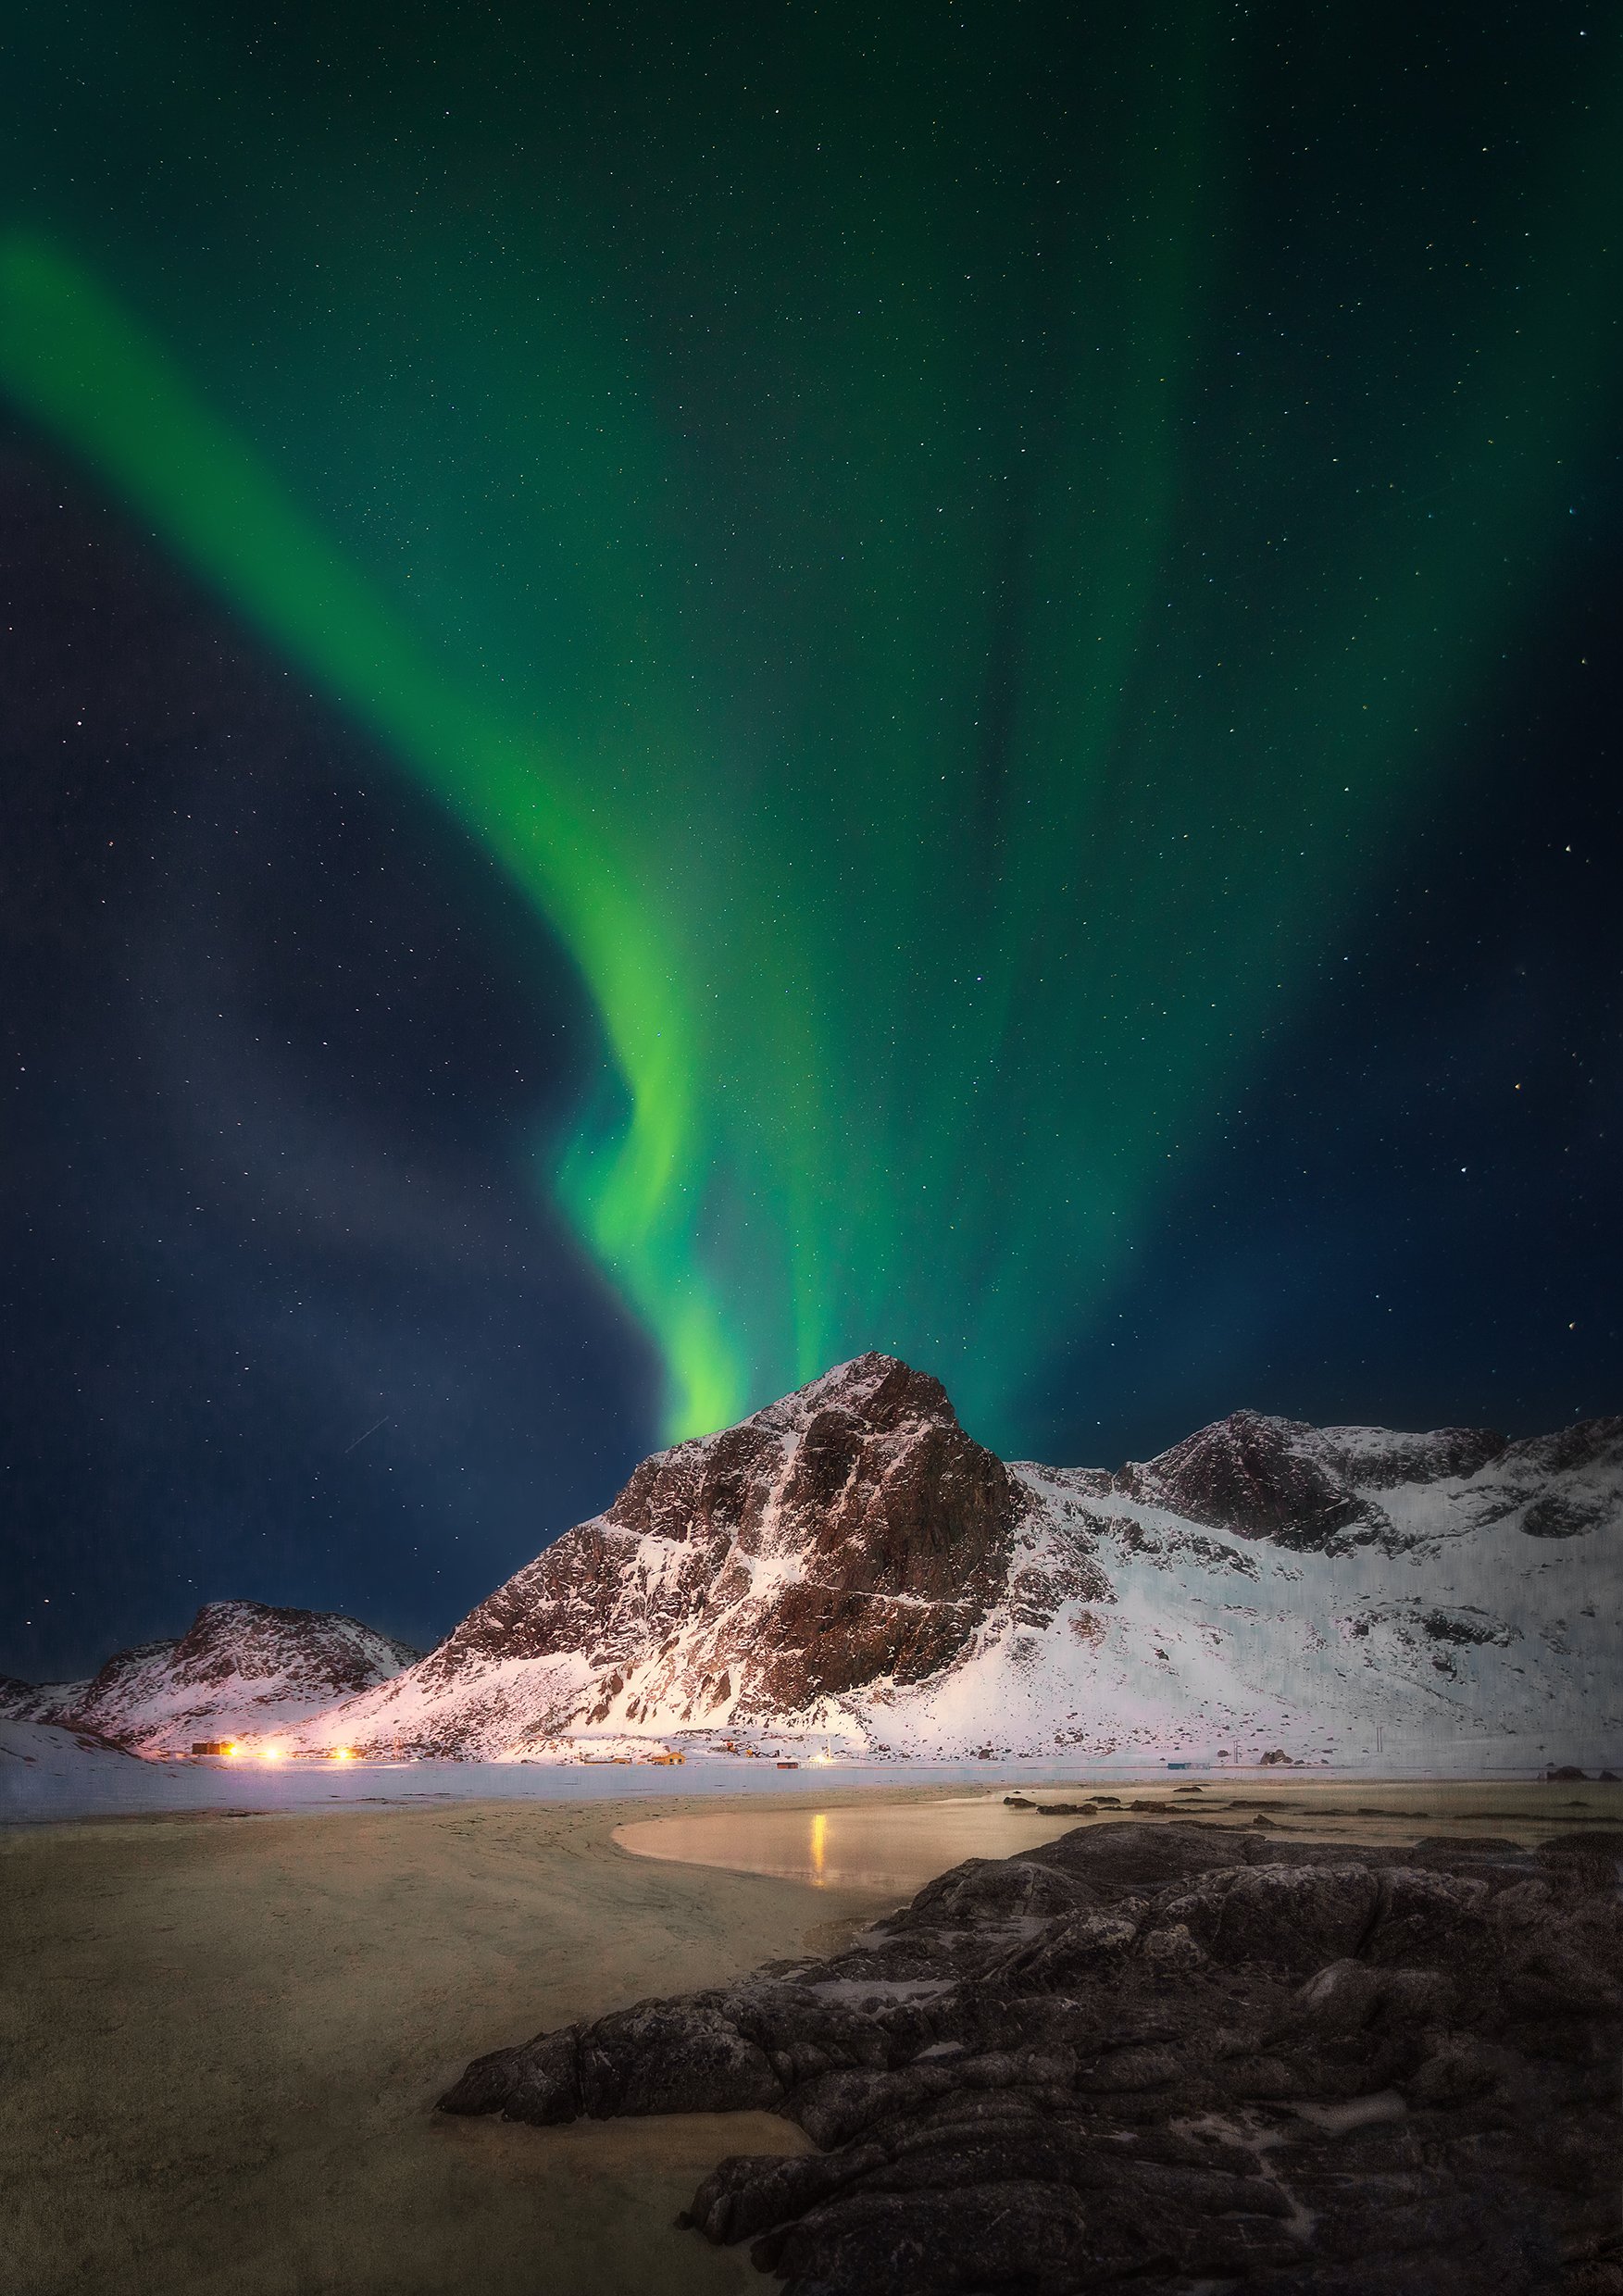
848, 1568
241, 1668
848, 1563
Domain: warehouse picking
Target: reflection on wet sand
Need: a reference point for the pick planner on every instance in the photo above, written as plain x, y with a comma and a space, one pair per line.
887, 1846
900, 1846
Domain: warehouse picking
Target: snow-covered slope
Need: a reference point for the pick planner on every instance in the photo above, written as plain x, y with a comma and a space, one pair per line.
239, 1668
37, 1756
848, 1566
37, 1702
48, 1770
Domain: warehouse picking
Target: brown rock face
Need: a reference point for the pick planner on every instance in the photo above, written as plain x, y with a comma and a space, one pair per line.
1264, 1477
851, 1533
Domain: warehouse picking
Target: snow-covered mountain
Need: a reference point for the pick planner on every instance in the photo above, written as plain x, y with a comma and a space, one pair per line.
239, 1669
848, 1566
37, 1702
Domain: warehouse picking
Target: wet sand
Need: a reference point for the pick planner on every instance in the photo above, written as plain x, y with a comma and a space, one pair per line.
896, 1849
222, 2039
224, 2036
880, 1845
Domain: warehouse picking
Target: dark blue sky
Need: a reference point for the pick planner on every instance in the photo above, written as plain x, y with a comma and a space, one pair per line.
1412, 1218
851, 494
280, 1054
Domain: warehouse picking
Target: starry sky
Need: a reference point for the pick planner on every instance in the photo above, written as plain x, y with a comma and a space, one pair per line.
692, 689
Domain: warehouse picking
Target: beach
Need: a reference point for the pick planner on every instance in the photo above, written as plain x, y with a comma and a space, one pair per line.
224, 2039
224, 2034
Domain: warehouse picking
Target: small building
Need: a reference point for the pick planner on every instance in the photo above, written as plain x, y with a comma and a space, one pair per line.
211, 1745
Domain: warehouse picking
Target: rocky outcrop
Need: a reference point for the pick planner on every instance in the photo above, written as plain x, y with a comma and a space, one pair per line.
1306, 1486
849, 1535
1320, 1488
1262, 1477
1171, 2058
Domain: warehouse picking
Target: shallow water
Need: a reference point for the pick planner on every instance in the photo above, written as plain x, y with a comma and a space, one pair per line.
900, 1846
895, 1846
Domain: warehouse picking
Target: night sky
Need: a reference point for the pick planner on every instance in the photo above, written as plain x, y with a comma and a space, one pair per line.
688, 689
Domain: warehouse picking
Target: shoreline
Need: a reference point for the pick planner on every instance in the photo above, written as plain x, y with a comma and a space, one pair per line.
225, 2042
904, 1844
48, 1778
227, 2039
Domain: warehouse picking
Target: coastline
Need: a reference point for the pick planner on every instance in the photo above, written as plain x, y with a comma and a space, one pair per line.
51, 1775
227, 2031
902, 1841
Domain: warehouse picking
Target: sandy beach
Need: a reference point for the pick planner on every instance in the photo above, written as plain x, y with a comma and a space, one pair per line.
224, 2034
223, 2038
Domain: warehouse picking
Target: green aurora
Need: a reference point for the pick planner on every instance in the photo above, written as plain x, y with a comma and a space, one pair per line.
942, 559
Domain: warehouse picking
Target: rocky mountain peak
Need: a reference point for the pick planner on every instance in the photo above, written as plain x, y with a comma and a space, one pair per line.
881, 1393
1593, 1443
1302, 1486
1377, 1458
848, 1533
1261, 1477
256, 1641
759, 1480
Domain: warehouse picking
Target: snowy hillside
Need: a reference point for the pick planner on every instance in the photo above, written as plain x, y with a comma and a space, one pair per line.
42, 1763
848, 1567
37, 1702
239, 1668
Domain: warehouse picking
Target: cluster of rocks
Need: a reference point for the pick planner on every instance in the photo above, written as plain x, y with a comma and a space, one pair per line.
1171, 2056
